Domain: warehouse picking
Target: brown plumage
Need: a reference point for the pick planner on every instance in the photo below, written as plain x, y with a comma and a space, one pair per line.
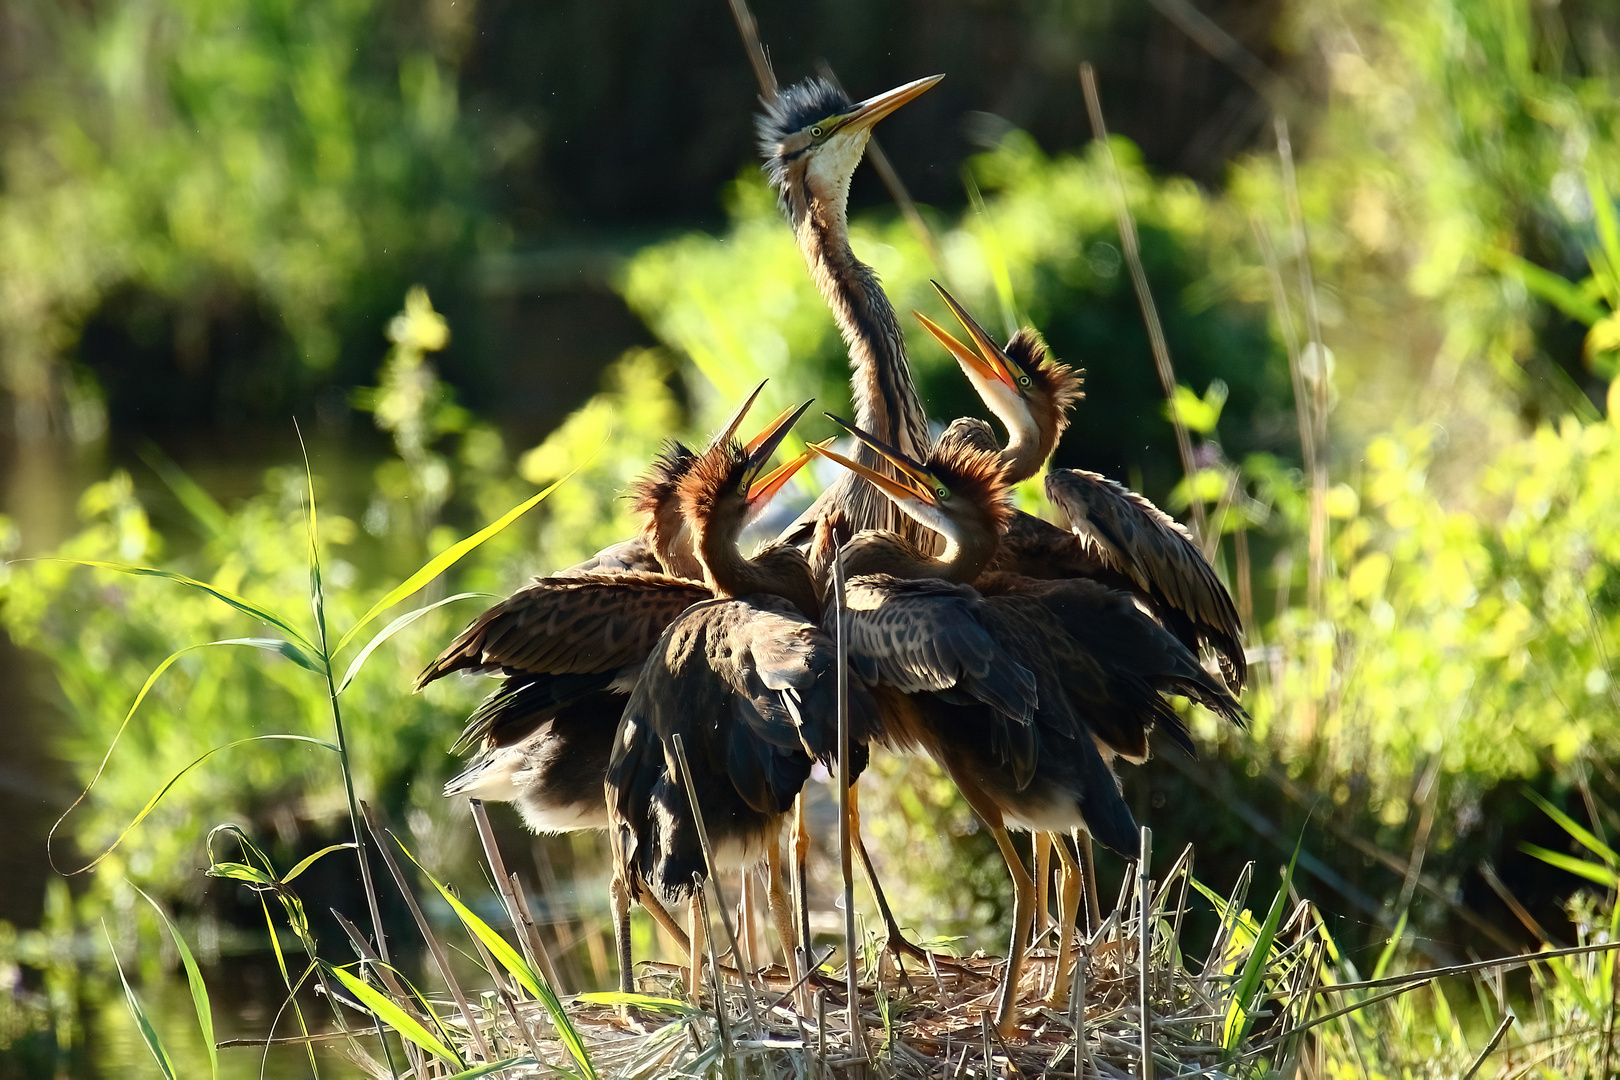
812, 139
1098, 665
745, 680
1118, 536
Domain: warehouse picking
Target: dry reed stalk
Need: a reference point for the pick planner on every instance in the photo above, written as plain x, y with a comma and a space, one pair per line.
1144, 297
841, 664
440, 960
534, 950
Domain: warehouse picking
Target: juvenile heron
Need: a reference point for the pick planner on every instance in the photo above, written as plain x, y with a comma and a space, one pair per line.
746, 680
1099, 663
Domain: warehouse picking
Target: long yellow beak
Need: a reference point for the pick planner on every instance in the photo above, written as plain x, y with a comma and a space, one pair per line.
764, 489
991, 361
893, 489
763, 445
735, 420
782, 420
922, 484
869, 112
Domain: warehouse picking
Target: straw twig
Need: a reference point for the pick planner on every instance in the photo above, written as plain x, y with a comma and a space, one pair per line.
841, 660
1144, 950
528, 935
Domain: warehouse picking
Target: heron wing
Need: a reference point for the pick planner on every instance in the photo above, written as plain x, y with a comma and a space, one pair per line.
632, 556
1145, 543
927, 635
579, 625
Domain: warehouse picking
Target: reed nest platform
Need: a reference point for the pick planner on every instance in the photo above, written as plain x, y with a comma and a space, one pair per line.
1240, 1008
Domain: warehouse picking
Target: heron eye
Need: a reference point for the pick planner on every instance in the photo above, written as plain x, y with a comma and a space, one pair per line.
815, 131
1023, 380
943, 493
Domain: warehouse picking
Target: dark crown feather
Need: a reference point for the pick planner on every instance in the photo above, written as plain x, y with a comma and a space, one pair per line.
976, 475
793, 109
661, 479
1062, 383
716, 472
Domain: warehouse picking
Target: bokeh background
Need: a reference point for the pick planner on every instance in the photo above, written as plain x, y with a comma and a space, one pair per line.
459, 249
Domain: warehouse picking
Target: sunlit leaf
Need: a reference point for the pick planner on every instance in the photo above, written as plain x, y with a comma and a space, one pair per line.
1575, 829
149, 1034
451, 555
1580, 867
393, 628
309, 860
199, 990
389, 1012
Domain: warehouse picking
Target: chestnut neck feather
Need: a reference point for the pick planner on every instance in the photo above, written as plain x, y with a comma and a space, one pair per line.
775, 570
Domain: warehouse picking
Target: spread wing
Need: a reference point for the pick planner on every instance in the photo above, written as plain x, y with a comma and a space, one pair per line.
1114, 661
927, 635
587, 624
1138, 539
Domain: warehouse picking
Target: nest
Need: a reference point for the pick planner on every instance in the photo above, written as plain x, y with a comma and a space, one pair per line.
935, 1020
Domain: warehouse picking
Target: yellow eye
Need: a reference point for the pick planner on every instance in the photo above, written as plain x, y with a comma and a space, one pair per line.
943, 493
1023, 380
815, 131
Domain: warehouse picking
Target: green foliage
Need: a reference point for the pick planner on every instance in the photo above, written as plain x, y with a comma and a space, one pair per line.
227, 154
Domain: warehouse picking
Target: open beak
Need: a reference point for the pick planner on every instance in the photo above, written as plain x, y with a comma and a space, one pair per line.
990, 362
873, 109
764, 489
725, 434
915, 481
763, 445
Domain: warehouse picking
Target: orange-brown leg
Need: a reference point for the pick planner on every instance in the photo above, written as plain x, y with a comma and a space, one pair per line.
801, 880
619, 900
1043, 877
897, 942
1023, 915
1093, 907
699, 937
782, 914
665, 921
1068, 912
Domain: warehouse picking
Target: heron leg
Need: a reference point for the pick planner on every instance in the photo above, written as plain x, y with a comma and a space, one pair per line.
747, 944
1093, 906
782, 914
661, 916
1043, 877
699, 936
1068, 912
1023, 915
801, 880
619, 900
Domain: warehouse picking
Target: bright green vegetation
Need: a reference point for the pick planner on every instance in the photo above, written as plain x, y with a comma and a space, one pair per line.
1445, 644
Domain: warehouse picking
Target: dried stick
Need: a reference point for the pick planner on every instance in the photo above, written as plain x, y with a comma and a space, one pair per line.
1144, 297
748, 29
857, 1032
440, 960
528, 936
1490, 1047
1144, 946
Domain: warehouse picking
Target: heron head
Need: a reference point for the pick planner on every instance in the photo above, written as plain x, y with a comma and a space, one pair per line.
812, 138
1023, 385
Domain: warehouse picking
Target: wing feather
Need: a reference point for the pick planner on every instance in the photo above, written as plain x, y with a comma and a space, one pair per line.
1136, 538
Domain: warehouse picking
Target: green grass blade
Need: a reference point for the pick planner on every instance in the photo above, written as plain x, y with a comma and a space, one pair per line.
390, 630
1389, 949
235, 871
645, 1002
245, 606
509, 958
1591, 871
199, 989
151, 804
310, 860
149, 1034
395, 1017
213, 519
1556, 290
1241, 1017
1575, 829
451, 555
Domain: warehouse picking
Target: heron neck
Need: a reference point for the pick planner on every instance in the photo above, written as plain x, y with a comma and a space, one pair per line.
886, 401
1026, 451
728, 574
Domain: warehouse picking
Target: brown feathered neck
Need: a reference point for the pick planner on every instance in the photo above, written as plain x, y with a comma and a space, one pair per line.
1055, 387
714, 501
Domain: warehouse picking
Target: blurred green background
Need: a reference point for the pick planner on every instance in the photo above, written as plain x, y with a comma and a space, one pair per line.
211, 212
